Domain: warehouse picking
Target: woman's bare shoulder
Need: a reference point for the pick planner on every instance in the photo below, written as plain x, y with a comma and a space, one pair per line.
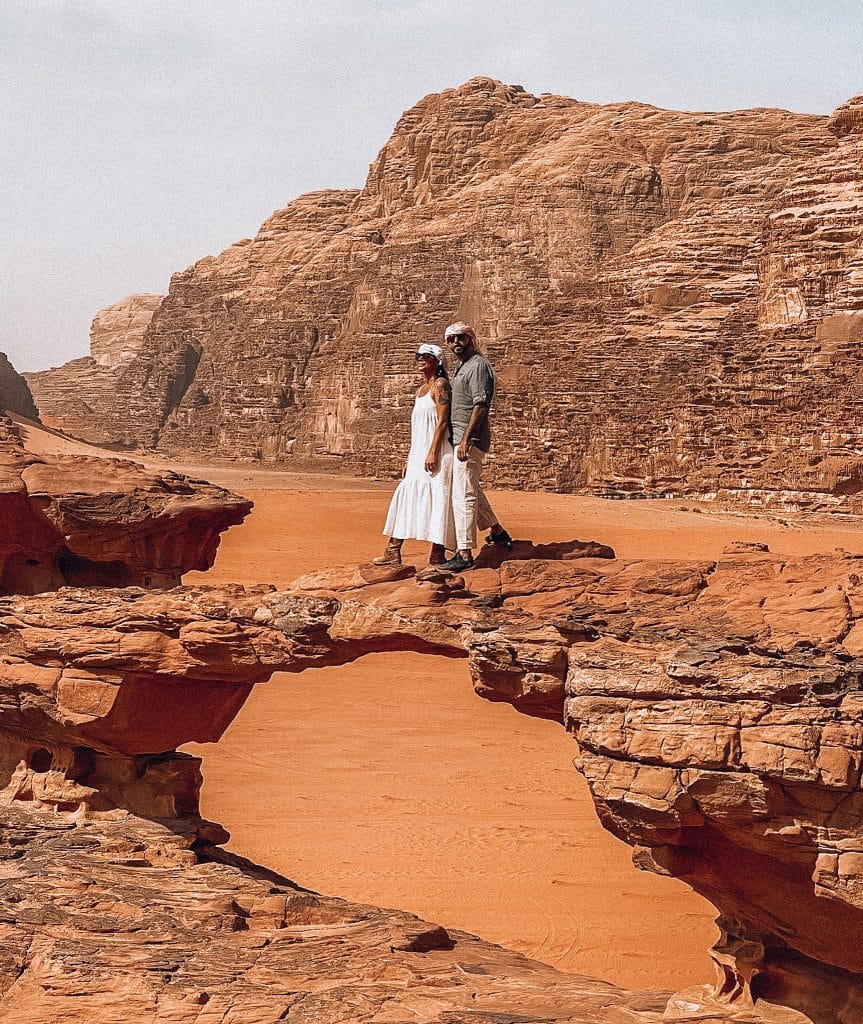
441, 389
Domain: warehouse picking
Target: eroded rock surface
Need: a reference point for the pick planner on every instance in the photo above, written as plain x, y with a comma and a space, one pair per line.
117, 903
672, 301
117, 331
111, 922
102, 522
716, 706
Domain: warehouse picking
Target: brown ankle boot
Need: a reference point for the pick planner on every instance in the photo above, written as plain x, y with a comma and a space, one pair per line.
392, 554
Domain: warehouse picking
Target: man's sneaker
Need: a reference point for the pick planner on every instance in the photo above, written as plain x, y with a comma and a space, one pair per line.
501, 538
456, 564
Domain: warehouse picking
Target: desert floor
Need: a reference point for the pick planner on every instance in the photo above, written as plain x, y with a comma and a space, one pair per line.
388, 781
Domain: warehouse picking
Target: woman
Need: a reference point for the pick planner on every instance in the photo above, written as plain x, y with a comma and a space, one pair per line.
421, 508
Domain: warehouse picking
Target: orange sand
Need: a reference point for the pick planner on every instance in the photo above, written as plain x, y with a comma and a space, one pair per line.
389, 781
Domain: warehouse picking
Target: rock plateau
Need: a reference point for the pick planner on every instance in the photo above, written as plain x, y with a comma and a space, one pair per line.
672, 300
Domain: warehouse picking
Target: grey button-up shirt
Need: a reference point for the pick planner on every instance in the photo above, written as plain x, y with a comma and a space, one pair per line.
472, 384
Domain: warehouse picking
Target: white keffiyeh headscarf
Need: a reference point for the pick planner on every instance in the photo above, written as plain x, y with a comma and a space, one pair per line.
460, 328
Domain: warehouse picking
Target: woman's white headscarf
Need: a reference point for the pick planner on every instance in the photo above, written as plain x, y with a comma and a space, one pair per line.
429, 349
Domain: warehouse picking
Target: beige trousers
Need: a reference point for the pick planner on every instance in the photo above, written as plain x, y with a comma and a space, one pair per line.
470, 506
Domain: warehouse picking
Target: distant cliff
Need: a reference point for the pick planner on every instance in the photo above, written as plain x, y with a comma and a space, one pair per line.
78, 396
673, 302
15, 395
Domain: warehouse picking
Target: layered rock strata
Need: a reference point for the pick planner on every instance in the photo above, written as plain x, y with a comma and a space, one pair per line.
77, 395
73, 519
117, 331
671, 300
717, 711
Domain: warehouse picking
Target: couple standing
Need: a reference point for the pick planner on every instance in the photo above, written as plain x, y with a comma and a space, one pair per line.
440, 498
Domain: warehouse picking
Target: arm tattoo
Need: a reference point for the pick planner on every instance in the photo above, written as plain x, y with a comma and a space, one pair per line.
444, 392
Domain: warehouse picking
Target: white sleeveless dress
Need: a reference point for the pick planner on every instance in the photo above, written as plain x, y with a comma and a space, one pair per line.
421, 507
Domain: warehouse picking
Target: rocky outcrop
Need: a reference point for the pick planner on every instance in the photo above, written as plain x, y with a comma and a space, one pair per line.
717, 710
117, 902
75, 397
15, 395
716, 706
671, 300
117, 331
125, 921
73, 519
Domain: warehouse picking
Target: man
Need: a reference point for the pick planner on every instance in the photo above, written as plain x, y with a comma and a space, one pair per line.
472, 393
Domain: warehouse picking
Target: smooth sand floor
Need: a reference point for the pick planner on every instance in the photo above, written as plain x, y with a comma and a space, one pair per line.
388, 781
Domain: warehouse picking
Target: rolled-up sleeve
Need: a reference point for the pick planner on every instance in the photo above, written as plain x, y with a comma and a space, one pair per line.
481, 384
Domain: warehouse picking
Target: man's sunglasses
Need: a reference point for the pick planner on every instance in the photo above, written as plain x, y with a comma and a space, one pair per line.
458, 337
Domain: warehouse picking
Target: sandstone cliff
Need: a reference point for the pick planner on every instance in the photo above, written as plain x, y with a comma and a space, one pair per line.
671, 299
15, 395
75, 396
117, 331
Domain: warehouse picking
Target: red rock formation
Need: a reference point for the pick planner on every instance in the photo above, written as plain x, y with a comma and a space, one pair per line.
102, 522
117, 904
74, 397
670, 300
127, 923
716, 706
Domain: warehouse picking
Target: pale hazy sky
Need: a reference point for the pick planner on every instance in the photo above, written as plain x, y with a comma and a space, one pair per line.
137, 136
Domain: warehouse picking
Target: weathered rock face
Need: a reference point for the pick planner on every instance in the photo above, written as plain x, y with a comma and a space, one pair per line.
74, 397
671, 301
69, 519
716, 706
15, 395
125, 921
117, 331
